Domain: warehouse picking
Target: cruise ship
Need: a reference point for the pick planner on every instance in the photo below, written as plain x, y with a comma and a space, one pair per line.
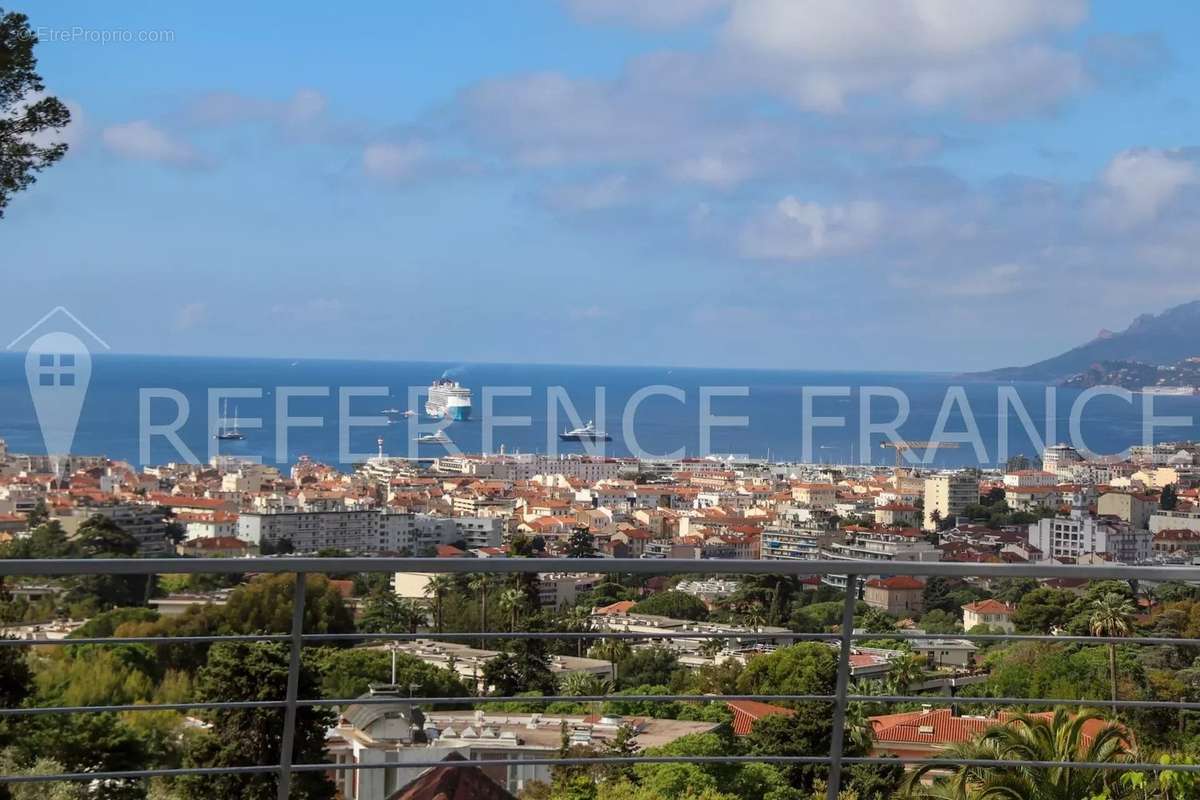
587, 433
448, 398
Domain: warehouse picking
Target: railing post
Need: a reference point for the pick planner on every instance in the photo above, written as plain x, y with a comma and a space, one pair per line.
293, 689
843, 683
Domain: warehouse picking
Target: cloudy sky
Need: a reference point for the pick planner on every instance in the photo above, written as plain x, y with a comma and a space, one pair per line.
877, 184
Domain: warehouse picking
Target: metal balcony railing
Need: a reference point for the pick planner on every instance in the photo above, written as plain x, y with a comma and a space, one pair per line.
855, 571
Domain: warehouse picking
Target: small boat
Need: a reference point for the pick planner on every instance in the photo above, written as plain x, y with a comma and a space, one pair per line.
229, 434
393, 413
433, 438
587, 433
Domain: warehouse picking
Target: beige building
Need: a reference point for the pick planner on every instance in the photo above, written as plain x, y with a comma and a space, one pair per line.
992, 613
949, 494
1133, 508
814, 495
900, 595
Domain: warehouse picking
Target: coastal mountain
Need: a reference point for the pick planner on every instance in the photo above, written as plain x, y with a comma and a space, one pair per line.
1161, 340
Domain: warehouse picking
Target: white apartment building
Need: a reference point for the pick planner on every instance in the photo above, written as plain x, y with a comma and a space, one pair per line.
887, 545
1060, 458
524, 466
791, 544
146, 523
368, 531
1174, 520
1081, 534
556, 589
949, 494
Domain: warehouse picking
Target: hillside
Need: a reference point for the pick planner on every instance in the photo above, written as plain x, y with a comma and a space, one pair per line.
1163, 339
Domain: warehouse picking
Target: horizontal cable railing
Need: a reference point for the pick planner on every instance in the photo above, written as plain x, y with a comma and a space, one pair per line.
854, 571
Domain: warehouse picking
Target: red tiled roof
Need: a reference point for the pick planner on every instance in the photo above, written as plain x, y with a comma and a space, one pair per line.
939, 726
989, 606
896, 582
748, 712
619, 607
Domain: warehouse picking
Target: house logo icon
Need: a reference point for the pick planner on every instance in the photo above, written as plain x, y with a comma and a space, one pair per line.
58, 367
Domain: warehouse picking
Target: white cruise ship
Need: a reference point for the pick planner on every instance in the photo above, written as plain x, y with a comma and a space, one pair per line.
448, 398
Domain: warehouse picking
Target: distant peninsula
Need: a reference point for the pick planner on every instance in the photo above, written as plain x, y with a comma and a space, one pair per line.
1157, 350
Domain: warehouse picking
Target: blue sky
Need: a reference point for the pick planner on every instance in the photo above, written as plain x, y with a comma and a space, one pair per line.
882, 184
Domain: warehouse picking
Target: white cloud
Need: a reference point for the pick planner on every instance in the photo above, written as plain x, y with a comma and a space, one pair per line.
143, 141
611, 191
712, 170
794, 230
988, 57
190, 316
394, 161
834, 31
1140, 183
645, 13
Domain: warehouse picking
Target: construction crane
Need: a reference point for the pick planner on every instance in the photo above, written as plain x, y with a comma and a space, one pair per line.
903, 447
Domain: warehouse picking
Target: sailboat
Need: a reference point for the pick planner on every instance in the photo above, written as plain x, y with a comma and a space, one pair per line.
225, 433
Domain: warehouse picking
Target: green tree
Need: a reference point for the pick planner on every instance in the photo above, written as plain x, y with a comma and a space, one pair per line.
611, 650
26, 115
585, 684
100, 537
576, 619
804, 733
437, 588
1112, 616
939, 621
1026, 738
1169, 500
678, 605
1042, 609
386, 612
247, 671
511, 602
647, 665
807, 668
482, 584
266, 605
525, 669
347, 673
903, 672
581, 544
57, 790
1011, 590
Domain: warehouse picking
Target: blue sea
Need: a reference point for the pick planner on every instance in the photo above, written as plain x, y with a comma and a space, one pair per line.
771, 401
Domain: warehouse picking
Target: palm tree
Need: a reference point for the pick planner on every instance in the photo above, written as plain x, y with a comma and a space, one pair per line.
511, 602
482, 583
754, 616
1112, 615
1039, 737
585, 684
611, 650
437, 588
903, 672
577, 619
711, 647
409, 616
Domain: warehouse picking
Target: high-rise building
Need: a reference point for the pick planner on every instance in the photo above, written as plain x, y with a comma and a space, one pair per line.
949, 494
